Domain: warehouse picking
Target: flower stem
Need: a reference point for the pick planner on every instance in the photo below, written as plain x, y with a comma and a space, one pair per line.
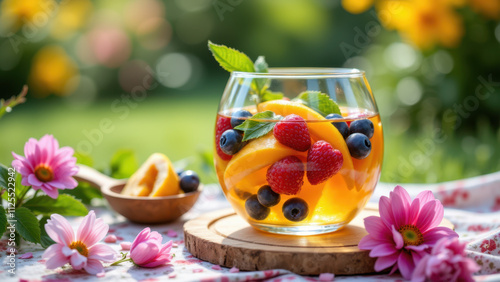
120, 261
21, 197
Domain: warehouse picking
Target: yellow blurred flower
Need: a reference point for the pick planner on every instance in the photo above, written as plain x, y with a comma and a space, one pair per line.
15, 13
424, 23
357, 6
71, 16
51, 71
489, 8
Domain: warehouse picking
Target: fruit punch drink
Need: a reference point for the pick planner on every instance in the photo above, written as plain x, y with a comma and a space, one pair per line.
297, 151
310, 174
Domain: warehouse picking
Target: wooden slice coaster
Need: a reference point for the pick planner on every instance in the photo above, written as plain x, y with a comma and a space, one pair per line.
225, 239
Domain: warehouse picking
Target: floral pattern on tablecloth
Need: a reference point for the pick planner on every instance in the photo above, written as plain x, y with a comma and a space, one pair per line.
472, 205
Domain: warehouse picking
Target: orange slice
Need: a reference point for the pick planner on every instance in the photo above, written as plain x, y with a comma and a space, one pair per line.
319, 130
155, 178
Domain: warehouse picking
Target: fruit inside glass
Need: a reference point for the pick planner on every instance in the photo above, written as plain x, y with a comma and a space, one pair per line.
314, 151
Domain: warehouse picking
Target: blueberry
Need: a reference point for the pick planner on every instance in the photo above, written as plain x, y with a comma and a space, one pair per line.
295, 209
255, 210
267, 197
230, 141
359, 145
189, 181
239, 117
242, 194
341, 126
363, 126
179, 172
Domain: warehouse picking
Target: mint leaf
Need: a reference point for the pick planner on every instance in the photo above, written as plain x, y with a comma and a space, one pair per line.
45, 239
3, 220
261, 84
320, 102
270, 95
123, 164
258, 125
231, 59
27, 225
63, 205
4, 176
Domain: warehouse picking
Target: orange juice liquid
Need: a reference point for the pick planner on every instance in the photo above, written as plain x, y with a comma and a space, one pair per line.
334, 202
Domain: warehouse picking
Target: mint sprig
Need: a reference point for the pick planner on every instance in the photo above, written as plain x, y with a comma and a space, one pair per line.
233, 60
320, 102
258, 125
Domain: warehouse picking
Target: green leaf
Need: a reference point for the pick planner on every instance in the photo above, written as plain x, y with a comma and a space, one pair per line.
258, 125
270, 95
45, 239
63, 205
261, 84
231, 59
123, 164
4, 176
3, 220
84, 192
27, 225
319, 102
21, 190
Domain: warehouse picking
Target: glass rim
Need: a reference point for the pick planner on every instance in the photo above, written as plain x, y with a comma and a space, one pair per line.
303, 72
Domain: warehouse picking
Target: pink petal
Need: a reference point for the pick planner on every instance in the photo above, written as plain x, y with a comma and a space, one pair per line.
425, 197
419, 272
50, 191
426, 217
110, 239
439, 214
368, 243
403, 194
59, 229
414, 211
234, 269
172, 275
432, 236
64, 183
383, 250
101, 274
141, 237
61, 156
419, 248
326, 277
27, 255
171, 233
216, 267
54, 257
385, 262
197, 270
77, 261
385, 210
92, 230
398, 238
102, 252
94, 267
33, 180
375, 227
144, 252
399, 209
126, 246
405, 265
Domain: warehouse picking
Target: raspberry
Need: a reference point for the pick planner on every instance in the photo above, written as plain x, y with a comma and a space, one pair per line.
222, 124
292, 132
286, 176
322, 162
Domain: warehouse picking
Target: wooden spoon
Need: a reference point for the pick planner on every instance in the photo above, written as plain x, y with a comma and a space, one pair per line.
138, 209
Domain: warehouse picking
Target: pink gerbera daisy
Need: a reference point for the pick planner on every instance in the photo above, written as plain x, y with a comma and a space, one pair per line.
82, 251
46, 166
405, 230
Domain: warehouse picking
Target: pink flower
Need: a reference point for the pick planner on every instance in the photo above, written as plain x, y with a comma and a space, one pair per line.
147, 250
82, 251
447, 262
405, 230
46, 166
488, 246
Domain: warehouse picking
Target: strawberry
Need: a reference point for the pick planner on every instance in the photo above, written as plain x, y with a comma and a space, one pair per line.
323, 161
223, 123
292, 132
286, 176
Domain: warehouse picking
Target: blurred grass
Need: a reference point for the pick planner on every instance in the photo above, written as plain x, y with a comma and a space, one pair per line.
181, 126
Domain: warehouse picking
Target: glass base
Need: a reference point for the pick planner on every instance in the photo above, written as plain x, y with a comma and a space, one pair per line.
299, 230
